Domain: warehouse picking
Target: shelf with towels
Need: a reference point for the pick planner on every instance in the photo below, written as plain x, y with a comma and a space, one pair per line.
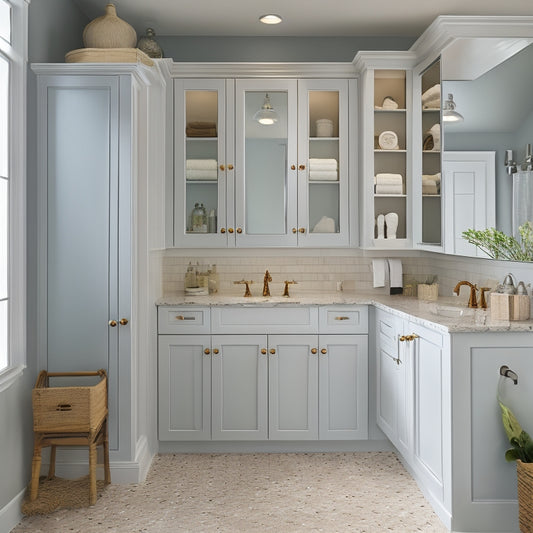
390, 195
381, 151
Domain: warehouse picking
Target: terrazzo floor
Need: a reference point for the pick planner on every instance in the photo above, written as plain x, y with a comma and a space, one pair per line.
368, 492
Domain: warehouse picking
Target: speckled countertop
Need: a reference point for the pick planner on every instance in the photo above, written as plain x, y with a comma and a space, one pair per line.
445, 314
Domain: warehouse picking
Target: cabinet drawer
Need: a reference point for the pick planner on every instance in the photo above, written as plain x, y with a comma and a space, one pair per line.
347, 319
282, 319
176, 320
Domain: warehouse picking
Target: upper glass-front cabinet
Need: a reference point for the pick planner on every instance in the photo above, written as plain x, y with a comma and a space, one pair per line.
261, 162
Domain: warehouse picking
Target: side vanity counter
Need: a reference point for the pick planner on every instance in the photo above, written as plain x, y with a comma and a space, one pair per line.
336, 371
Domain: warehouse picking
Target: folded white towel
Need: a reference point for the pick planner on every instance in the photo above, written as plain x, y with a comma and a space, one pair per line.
326, 175
385, 178
389, 189
395, 272
324, 225
431, 93
317, 161
389, 103
429, 187
201, 164
434, 103
316, 166
431, 177
201, 174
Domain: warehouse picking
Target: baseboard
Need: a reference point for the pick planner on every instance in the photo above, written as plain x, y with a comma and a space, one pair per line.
11, 515
143, 457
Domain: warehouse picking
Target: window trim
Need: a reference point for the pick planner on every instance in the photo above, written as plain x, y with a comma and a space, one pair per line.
17, 55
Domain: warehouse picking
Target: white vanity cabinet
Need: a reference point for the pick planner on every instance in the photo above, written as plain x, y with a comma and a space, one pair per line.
262, 185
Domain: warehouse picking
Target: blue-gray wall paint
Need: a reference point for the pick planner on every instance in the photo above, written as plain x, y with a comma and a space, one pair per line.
275, 49
54, 28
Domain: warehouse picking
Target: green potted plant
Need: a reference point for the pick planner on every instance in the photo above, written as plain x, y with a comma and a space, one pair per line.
522, 453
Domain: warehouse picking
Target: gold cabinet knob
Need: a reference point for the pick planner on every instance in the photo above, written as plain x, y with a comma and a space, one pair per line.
323, 351
222, 230
342, 318
222, 167
123, 321
230, 230
301, 230
272, 351
113, 323
403, 338
294, 230
239, 230
301, 167
207, 351
263, 351
314, 350
216, 351
293, 167
230, 167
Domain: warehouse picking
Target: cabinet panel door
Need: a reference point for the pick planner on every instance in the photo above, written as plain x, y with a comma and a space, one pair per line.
184, 387
343, 387
239, 388
293, 387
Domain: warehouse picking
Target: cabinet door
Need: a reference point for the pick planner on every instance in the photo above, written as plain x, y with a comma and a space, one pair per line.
266, 159
343, 387
323, 163
240, 392
184, 387
203, 163
293, 387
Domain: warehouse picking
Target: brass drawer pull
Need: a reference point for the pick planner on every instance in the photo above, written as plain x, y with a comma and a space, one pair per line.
181, 317
342, 318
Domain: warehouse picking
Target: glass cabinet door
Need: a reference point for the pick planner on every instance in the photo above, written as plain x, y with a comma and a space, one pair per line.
265, 168
431, 210
323, 163
203, 166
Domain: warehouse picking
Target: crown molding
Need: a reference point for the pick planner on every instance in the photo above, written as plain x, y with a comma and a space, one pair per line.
384, 60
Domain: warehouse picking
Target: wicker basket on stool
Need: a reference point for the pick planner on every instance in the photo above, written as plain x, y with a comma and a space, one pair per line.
70, 416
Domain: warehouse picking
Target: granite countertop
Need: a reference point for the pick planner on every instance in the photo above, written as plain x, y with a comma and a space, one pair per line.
447, 314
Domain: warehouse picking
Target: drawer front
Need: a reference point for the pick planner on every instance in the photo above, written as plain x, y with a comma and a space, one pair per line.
346, 319
298, 319
187, 319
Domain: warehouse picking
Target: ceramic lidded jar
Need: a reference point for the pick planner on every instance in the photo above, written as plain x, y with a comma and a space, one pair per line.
109, 31
149, 45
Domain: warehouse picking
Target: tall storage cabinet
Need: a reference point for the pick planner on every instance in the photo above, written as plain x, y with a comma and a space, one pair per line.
95, 137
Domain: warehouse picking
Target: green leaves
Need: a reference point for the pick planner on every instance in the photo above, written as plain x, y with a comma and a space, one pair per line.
498, 245
522, 445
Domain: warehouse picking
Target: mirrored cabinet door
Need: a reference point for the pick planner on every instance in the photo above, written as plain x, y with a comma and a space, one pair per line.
266, 162
323, 163
431, 199
203, 164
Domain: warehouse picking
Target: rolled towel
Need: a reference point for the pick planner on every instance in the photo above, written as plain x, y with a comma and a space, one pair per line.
385, 177
201, 174
389, 189
431, 93
201, 164
389, 103
324, 225
429, 187
432, 104
328, 162
326, 175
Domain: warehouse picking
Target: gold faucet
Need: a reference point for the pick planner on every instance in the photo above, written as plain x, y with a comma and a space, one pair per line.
286, 290
472, 301
266, 288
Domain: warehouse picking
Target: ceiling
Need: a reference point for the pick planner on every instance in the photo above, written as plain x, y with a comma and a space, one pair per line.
318, 18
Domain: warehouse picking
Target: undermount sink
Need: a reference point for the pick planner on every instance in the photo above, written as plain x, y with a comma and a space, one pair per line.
452, 311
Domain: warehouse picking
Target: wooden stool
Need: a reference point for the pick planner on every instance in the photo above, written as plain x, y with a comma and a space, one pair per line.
70, 416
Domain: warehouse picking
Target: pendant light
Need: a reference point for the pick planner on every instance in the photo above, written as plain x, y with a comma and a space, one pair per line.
448, 111
266, 115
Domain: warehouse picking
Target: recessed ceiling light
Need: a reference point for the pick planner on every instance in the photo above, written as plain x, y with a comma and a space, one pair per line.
270, 19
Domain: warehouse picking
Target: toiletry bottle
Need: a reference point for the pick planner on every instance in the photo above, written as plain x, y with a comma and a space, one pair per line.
190, 277
213, 279
199, 219
212, 222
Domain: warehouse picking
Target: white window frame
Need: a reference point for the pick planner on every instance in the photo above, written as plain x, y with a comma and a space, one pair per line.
16, 53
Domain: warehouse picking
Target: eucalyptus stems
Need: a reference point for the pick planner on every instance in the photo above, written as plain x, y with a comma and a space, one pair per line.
498, 245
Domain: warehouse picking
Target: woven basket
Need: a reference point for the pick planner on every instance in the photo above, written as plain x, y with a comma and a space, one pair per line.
524, 472
78, 409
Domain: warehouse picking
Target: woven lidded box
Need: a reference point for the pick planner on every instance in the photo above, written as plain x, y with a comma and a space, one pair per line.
69, 409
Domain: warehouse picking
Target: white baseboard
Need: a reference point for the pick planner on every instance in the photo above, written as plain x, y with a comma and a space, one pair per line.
11, 515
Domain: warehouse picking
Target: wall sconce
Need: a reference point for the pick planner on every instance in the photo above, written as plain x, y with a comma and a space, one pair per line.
266, 115
448, 111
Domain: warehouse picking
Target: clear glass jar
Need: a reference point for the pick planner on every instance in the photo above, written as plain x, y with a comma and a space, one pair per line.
199, 219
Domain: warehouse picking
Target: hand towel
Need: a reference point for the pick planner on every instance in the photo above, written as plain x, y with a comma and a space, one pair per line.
396, 276
378, 270
201, 174
429, 187
324, 225
317, 161
201, 164
195, 132
198, 124
389, 189
326, 166
389, 103
431, 93
434, 131
326, 175
431, 177
432, 104
385, 177
391, 224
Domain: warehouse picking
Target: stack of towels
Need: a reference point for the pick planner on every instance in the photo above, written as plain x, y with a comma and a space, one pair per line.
431, 98
201, 169
201, 129
388, 183
431, 184
323, 169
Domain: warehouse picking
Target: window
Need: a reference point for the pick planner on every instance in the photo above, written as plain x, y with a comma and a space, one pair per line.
13, 45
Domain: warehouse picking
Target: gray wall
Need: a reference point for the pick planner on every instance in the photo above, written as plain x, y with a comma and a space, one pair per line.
55, 27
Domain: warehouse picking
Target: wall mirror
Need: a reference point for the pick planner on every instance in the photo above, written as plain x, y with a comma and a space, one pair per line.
491, 81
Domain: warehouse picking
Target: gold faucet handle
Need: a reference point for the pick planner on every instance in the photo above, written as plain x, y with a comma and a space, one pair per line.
482, 298
286, 290
247, 283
